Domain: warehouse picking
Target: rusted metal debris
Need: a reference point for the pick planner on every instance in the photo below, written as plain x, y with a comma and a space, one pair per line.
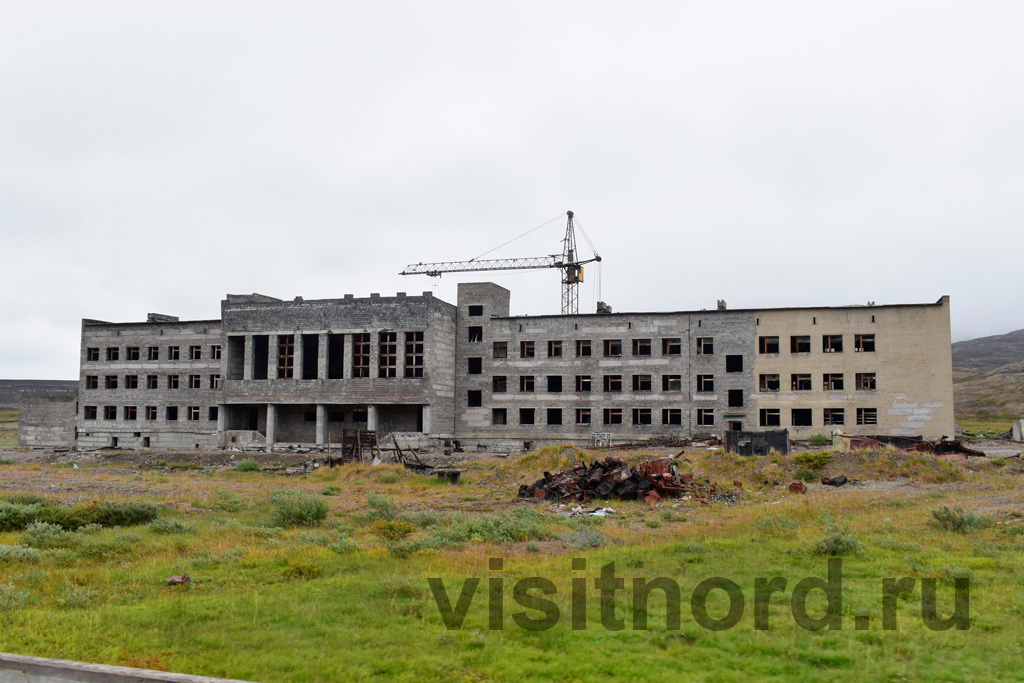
798, 487
614, 478
178, 580
904, 444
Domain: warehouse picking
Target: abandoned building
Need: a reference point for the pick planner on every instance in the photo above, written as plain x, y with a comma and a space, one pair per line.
300, 372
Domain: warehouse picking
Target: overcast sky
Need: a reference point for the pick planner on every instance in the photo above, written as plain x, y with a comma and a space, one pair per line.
154, 157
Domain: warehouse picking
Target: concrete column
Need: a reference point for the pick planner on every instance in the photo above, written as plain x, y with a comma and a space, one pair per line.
321, 424
272, 356
347, 365
371, 418
222, 421
297, 356
426, 419
271, 424
321, 361
247, 358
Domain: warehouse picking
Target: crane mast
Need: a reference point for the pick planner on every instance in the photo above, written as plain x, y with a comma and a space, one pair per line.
567, 262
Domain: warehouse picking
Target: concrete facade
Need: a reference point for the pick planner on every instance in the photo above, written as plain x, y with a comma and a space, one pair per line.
300, 372
46, 419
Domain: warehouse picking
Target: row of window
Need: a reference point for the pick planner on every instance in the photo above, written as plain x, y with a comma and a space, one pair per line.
283, 363
131, 413
803, 417
830, 343
133, 353
152, 381
585, 416
584, 383
831, 381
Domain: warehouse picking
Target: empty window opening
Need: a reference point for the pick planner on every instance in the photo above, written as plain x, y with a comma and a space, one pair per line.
526, 349
554, 416
152, 382
131, 381
800, 344
414, 354
801, 417
866, 381
613, 416
864, 343
92, 353
554, 349
171, 414
151, 413
236, 357
768, 383
801, 382
833, 381
613, 382
475, 366
705, 346
705, 383
145, 442
671, 346
499, 416
285, 356
735, 398
474, 398
554, 384
867, 416
641, 382
172, 381
612, 347
832, 343
153, 353
113, 353
476, 311
526, 383
335, 356
260, 355
215, 351
770, 417
387, 356
501, 349
526, 416
476, 334
671, 382
334, 415
734, 363
195, 353
89, 413
213, 412
641, 347
582, 348
767, 344
360, 416
194, 382
641, 416
583, 383
130, 413
131, 353
735, 425
193, 413
111, 382
361, 354
583, 416
705, 417
499, 384
92, 382
174, 353
835, 416
310, 356
671, 416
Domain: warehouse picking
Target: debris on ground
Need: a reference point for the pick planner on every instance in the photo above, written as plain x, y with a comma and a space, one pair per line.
798, 487
613, 478
579, 511
904, 444
178, 580
834, 481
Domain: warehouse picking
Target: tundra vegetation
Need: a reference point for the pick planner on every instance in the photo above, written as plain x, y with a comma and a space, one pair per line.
323, 577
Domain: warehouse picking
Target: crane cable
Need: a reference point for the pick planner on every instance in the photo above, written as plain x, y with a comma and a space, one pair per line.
590, 244
520, 236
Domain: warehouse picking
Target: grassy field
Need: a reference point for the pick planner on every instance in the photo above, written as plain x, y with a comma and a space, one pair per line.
8, 427
347, 597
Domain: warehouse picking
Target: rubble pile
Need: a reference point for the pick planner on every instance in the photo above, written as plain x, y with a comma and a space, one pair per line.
613, 478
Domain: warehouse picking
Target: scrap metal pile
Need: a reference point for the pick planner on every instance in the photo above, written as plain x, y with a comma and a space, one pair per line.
613, 478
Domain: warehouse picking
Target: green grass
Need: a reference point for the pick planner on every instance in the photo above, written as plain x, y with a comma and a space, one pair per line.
323, 603
8, 428
985, 425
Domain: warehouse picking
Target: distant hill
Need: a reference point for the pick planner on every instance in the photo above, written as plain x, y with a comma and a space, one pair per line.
10, 388
988, 353
999, 391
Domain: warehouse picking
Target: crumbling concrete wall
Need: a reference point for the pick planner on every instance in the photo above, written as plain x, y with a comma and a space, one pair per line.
1018, 429
46, 419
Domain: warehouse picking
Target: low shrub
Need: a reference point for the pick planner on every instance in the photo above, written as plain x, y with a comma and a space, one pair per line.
314, 538
380, 507
392, 529
17, 553
586, 538
247, 465
25, 498
805, 474
295, 508
228, 502
778, 526
388, 477
814, 460
344, 546
172, 526
44, 536
838, 540
819, 440
652, 523
521, 525
303, 569
75, 597
330, 491
399, 587
12, 598
957, 520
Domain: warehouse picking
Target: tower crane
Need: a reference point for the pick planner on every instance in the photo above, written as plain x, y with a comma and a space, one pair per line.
568, 262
